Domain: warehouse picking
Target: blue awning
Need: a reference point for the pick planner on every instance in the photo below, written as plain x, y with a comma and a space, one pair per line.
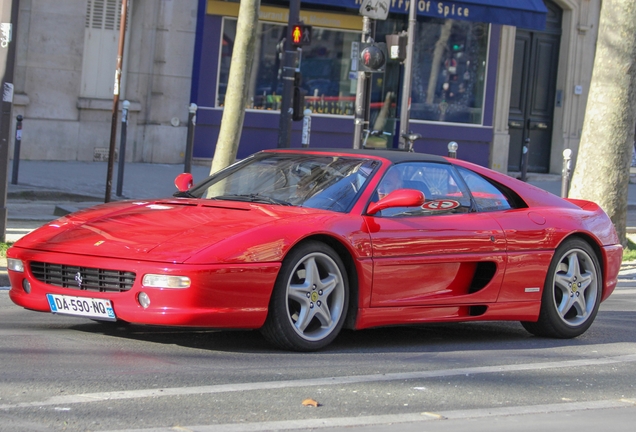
526, 14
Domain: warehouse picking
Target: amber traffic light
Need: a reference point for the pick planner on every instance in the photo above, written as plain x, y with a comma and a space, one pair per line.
300, 35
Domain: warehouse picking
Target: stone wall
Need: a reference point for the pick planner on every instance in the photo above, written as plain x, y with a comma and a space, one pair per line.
61, 124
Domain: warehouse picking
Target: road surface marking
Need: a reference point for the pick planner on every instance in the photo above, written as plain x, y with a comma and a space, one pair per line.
303, 383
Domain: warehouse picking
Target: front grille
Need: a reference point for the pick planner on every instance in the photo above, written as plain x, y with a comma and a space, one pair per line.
92, 279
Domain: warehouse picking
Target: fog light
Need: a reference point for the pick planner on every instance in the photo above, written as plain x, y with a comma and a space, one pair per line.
26, 286
143, 300
15, 264
165, 281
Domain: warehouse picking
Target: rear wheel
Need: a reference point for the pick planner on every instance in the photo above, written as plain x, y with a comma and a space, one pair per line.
310, 299
571, 294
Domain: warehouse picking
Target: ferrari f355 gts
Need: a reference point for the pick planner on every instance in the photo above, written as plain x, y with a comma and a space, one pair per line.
303, 243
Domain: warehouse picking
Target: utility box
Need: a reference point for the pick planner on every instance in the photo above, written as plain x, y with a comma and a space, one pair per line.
396, 46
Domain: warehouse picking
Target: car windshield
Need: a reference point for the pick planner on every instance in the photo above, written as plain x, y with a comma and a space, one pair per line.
315, 181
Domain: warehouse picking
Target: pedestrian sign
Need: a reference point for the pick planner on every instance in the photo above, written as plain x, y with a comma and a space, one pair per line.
300, 35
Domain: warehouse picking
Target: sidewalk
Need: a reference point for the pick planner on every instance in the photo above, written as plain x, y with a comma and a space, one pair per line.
49, 189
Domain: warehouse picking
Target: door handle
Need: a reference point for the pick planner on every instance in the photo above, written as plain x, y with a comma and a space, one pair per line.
538, 125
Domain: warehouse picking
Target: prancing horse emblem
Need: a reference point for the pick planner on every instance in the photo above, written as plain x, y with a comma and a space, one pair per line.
78, 279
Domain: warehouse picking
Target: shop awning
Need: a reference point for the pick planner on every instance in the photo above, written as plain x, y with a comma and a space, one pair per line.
526, 14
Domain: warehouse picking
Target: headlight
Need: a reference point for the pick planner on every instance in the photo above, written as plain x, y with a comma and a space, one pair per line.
165, 281
15, 264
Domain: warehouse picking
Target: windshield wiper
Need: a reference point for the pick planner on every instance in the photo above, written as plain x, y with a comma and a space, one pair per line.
253, 198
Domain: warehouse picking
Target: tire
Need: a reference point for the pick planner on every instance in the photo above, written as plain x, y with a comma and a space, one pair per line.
571, 294
308, 309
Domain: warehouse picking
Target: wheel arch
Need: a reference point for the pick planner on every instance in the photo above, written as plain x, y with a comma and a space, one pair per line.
593, 244
352, 273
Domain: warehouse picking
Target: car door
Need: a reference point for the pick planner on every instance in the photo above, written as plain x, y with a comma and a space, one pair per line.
443, 253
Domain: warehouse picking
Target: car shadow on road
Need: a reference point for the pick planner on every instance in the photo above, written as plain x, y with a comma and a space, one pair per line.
609, 328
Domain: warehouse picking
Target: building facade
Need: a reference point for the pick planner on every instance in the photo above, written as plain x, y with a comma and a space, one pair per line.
65, 73
486, 85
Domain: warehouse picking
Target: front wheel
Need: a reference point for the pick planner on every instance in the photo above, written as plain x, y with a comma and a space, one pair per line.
571, 294
310, 299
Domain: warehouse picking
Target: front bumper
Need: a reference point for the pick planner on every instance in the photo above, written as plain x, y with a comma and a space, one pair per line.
220, 296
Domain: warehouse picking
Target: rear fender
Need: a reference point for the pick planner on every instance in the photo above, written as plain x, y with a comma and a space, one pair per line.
598, 222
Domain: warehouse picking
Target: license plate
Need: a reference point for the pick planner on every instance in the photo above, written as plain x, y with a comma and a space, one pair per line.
82, 306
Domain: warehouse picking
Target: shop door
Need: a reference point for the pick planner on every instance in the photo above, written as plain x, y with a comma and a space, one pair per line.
532, 96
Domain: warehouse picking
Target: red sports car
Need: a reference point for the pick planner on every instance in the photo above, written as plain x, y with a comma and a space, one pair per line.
301, 243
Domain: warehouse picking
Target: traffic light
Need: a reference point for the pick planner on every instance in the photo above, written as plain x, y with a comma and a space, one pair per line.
298, 98
300, 35
372, 57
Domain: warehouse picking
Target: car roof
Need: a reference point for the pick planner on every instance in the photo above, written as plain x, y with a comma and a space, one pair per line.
395, 156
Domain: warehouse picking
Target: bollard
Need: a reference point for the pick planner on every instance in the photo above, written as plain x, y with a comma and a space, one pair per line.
565, 174
192, 122
122, 147
306, 128
524, 160
16, 149
452, 149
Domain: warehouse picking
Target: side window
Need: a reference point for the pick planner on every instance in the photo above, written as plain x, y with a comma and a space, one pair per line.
443, 191
486, 195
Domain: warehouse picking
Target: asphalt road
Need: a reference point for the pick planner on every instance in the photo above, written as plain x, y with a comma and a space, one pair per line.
65, 373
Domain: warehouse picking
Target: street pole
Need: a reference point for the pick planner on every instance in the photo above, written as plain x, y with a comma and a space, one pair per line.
405, 105
16, 149
113, 124
304, 141
192, 123
290, 60
8, 30
362, 114
122, 148
565, 173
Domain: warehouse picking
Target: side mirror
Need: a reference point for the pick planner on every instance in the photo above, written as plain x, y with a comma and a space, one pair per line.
183, 182
398, 198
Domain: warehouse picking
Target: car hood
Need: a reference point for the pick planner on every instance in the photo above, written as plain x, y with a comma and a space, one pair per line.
167, 230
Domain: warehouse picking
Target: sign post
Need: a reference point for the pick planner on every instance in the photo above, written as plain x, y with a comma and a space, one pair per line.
290, 63
369, 9
8, 29
405, 105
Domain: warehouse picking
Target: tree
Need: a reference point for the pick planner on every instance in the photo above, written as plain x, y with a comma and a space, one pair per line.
237, 86
607, 141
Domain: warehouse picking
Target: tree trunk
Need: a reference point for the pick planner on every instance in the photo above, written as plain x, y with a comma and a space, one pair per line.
237, 86
607, 141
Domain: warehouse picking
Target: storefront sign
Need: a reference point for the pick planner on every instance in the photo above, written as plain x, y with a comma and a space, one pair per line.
528, 14
280, 15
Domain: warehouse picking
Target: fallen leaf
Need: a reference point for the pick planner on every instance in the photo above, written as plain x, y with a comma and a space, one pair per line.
310, 402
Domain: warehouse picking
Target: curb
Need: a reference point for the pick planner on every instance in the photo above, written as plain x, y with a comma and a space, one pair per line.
65, 209
49, 195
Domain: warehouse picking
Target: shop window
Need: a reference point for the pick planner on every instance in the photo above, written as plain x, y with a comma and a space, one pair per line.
449, 71
325, 68
101, 42
448, 76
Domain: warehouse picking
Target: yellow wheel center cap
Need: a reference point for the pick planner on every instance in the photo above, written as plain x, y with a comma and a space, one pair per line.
574, 287
314, 296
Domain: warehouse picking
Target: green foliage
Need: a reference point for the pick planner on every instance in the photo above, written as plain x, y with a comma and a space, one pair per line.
3, 249
629, 253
